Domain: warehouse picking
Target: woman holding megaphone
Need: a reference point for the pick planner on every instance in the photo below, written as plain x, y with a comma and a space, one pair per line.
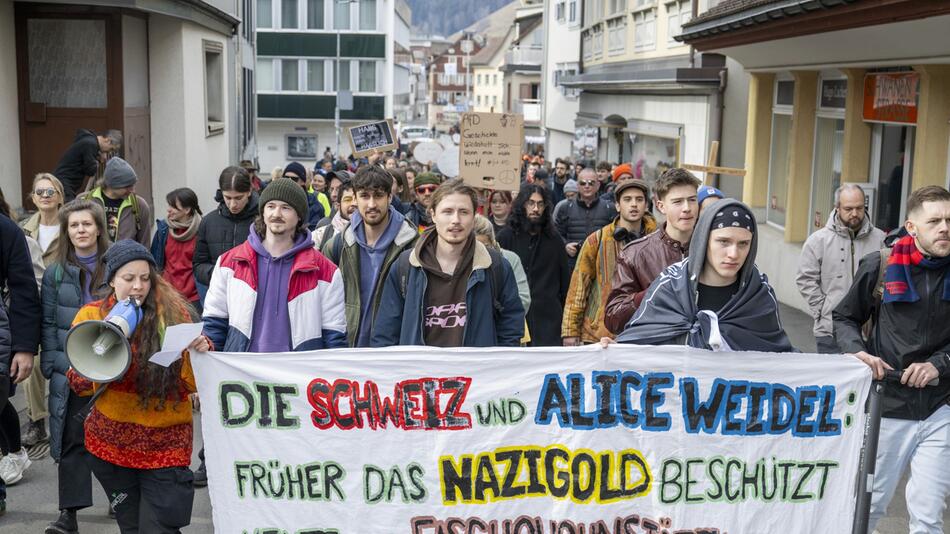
139, 430
77, 273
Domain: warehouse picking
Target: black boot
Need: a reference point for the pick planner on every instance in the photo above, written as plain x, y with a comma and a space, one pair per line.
66, 524
201, 476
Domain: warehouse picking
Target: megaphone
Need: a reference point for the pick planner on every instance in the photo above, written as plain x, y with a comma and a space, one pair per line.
99, 350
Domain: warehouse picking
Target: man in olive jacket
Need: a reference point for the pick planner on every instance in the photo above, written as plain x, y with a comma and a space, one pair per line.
367, 248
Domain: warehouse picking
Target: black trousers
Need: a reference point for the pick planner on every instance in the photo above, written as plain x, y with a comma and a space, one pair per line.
4, 392
147, 501
75, 473
826, 345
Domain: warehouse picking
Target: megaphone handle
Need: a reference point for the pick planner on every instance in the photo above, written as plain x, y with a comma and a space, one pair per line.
84, 412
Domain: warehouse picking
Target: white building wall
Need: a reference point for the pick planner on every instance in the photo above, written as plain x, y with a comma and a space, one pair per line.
9, 106
561, 45
182, 155
690, 111
272, 140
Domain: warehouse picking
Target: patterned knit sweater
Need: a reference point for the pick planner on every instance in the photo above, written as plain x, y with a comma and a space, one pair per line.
591, 283
120, 431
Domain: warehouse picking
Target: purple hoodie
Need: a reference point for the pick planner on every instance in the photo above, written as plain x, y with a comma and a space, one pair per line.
273, 284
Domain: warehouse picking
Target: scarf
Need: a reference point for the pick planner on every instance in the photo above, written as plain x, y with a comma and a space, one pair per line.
189, 229
898, 285
749, 321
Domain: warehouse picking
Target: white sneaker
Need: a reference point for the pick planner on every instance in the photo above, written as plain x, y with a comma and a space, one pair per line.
13, 465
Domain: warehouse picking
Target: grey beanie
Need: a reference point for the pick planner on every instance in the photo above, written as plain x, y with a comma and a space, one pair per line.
119, 174
570, 186
122, 252
285, 190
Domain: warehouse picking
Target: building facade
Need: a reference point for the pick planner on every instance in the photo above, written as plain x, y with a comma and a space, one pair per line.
825, 108
522, 70
176, 78
489, 83
310, 51
560, 104
645, 98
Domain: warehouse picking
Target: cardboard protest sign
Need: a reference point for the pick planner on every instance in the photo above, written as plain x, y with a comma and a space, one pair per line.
490, 150
372, 136
421, 440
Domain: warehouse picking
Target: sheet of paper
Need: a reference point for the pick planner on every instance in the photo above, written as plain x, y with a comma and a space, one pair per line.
177, 339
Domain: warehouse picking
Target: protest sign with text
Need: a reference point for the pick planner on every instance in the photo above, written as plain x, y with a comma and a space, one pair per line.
490, 150
532, 441
372, 137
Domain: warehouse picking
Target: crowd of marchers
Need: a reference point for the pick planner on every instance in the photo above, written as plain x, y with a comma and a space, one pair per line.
386, 251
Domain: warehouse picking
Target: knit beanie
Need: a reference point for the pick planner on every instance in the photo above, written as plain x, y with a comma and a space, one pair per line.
427, 178
124, 251
620, 170
285, 190
119, 174
298, 169
570, 186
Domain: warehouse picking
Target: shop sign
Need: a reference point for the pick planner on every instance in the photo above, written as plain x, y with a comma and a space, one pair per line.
834, 94
891, 97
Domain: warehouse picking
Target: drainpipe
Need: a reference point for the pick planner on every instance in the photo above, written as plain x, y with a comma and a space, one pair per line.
721, 104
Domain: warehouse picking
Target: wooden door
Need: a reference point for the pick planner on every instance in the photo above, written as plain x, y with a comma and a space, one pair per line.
69, 76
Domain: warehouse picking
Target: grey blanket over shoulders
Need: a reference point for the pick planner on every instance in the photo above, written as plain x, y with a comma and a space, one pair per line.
669, 313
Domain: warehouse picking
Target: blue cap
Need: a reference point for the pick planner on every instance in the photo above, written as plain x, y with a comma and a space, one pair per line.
706, 191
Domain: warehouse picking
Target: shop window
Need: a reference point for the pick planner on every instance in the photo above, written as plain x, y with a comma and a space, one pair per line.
826, 175
778, 169
214, 87
651, 155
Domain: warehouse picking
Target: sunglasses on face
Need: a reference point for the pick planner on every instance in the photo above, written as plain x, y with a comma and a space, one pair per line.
426, 189
49, 192
586, 183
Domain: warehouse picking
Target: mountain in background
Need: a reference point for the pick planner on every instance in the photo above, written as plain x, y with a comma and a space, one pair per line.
445, 17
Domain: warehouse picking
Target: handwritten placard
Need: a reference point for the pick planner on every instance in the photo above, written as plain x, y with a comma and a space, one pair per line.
371, 137
490, 150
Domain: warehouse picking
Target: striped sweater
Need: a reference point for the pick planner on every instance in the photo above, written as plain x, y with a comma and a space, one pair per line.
120, 431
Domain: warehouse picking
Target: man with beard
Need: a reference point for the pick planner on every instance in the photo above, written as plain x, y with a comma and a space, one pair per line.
331, 226
449, 290
579, 218
908, 298
531, 235
424, 186
367, 248
640, 262
561, 167
830, 258
275, 292
591, 279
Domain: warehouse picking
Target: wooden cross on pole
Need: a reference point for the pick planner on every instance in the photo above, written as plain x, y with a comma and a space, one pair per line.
711, 168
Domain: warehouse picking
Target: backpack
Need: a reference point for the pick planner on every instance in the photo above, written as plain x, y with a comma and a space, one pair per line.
877, 296
496, 280
135, 208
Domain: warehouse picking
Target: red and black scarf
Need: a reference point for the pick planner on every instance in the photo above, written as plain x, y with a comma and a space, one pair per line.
898, 285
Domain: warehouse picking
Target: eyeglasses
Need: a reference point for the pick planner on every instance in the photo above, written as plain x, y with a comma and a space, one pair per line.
423, 189
534, 204
586, 183
49, 192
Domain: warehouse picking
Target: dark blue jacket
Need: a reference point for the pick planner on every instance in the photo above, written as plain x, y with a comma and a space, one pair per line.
315, 212
158, 244
399, 320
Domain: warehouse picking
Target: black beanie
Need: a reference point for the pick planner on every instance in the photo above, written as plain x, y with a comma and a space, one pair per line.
124, 251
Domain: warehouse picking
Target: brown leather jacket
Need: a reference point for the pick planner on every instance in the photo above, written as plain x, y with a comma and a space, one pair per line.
638, 264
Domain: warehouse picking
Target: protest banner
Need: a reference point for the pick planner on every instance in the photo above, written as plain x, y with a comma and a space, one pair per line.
372, 137
532, 441
490, 150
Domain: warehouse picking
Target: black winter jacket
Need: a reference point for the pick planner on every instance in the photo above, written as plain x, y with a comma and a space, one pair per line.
16, 280
80, 160
218, 233
576, 220
545, 263
904, 333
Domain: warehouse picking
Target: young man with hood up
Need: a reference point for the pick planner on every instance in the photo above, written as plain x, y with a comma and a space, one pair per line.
367, 248
275, 292
717, 288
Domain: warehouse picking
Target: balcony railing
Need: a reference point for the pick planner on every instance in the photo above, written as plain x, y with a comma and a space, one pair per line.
524, 55
530, 108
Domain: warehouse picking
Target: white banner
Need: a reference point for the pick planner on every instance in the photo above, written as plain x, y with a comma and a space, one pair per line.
532, 441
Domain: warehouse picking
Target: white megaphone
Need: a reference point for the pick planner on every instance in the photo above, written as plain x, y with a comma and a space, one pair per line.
100, 350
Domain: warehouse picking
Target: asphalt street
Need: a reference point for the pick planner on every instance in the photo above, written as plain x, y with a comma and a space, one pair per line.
31, 504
